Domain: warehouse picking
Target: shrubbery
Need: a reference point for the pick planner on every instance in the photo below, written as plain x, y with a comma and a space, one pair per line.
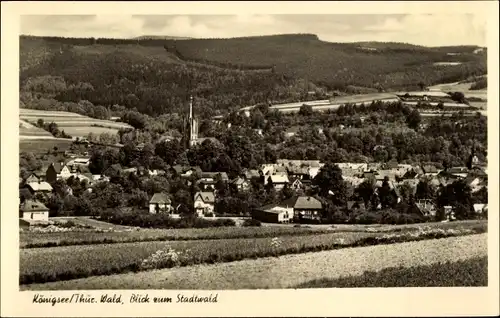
251, 222
160, 220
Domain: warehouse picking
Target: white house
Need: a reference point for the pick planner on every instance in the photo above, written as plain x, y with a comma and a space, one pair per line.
204, 203
39, 187
58, 170
278, 180
160, 203
33, 210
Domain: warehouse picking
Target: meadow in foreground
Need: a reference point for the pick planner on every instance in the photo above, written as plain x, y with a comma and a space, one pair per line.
289, 271
62, 263
471, 272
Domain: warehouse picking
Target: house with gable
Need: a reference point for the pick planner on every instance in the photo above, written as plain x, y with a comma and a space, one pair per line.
241, 184
204, 203
305, 208
56, 171
160, 203
33, 210
426, 207
39, 187
279, 181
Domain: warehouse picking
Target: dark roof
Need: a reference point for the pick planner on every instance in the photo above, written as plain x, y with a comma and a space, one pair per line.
303, 202
33, 206
223, 175
207, 197
160, 198
57, 166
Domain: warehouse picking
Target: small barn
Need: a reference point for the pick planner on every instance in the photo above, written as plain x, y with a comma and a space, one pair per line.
273, 213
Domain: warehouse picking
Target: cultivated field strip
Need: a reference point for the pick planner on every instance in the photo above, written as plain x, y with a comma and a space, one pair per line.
289, 270
121, 234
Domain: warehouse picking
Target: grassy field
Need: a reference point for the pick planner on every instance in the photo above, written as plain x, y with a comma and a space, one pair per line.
35, 145
288, 271
471, 272
33, 239
62, 263
122, 234
73, 124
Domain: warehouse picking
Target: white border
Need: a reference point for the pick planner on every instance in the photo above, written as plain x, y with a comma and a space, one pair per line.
314, 302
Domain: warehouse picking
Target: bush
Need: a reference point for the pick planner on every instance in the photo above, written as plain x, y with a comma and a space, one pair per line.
251, 222
160, 220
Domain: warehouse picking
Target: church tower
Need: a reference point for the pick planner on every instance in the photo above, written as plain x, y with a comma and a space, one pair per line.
193, 124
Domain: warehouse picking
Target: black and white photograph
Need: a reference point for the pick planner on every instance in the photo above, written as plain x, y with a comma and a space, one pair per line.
223, 152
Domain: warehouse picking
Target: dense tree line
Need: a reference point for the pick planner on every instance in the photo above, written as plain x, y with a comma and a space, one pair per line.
155, 83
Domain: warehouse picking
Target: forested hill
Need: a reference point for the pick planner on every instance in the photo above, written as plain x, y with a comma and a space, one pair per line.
156, 75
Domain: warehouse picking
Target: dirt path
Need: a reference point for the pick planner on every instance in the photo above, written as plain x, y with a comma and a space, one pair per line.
288, 270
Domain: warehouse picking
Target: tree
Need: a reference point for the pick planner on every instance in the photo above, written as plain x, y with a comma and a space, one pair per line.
413, 120
305, 110
330, 183
424, 190
421, 85
458, 97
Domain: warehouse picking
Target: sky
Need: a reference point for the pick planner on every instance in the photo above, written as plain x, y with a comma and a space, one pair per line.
420, 29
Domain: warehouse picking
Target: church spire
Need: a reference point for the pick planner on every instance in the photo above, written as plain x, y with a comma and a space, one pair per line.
190, 107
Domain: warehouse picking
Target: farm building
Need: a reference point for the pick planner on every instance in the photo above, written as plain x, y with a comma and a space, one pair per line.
160, 203
273, 213
204, 203
33, 210
56, 171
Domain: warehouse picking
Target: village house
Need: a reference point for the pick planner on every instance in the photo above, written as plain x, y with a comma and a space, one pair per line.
160, 203
34, 177
241, 184
32, 210
448, 213
459, 172
56, 171
273, 213
39, 187
426, 207
73, 164
204, 204
279, 181
430, 170
296, 183
480, 208
250, 174
475, 183
305, 208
